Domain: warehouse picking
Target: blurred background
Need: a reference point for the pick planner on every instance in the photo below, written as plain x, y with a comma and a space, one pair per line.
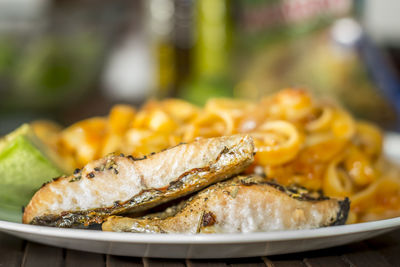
67, 60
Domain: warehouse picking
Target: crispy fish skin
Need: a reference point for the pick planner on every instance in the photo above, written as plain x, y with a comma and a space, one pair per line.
118, 184
242, 204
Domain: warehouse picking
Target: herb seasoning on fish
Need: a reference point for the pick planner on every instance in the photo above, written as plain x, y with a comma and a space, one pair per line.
257, 206
139, 184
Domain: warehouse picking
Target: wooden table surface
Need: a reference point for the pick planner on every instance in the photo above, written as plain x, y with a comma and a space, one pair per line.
383, 250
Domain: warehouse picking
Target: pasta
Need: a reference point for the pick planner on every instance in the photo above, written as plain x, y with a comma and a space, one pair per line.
313, 143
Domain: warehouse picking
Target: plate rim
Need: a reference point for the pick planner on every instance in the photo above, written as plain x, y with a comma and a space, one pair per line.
226, 238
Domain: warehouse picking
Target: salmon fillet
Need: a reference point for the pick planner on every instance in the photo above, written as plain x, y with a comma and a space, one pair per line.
119, 184
243, 204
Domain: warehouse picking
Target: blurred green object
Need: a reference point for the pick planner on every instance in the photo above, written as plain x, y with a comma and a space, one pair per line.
49, 72
54, 70
25, 164
8, 55
211, 52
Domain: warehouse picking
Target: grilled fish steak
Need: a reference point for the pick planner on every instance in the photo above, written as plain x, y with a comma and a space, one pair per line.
119, 184
242, 204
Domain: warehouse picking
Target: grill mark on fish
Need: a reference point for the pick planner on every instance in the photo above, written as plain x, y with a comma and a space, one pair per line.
208, 219
193, 172
341, 216
149, 196
142, 181
298, 192
76, 178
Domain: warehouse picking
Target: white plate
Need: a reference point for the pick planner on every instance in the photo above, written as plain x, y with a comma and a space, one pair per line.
207, 245
200, 245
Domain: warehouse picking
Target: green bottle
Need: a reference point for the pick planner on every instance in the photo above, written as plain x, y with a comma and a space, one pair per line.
211, 52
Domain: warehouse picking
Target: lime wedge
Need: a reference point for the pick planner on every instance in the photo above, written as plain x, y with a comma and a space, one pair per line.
25, 164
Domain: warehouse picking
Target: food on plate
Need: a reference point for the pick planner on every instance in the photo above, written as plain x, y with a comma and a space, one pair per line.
242, 204
117, 184
298, 140
25, 164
